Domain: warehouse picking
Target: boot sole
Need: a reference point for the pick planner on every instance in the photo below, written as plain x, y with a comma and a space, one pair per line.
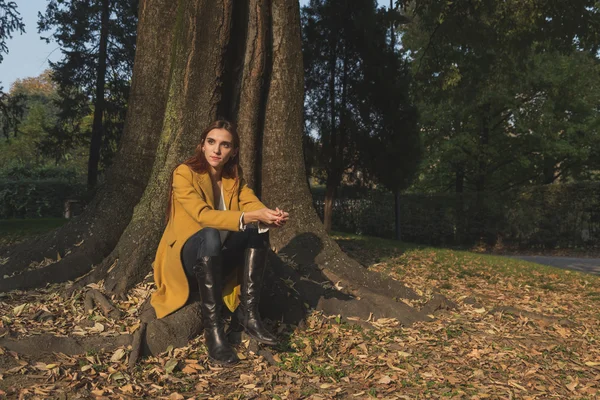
222, 363
261, 340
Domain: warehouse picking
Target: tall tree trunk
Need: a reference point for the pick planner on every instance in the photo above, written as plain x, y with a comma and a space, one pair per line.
250, 114
330, 188
89, 238
97, 125
480, 181
459, 185
332, 144
398, 213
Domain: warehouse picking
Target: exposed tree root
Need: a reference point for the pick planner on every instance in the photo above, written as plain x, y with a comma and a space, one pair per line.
95, 298
46, 246
42, 345
136, 346
66, 269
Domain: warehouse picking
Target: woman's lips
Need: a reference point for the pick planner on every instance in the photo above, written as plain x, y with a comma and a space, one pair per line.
215, 158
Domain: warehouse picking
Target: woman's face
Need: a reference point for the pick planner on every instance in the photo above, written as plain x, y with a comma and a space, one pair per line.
218, 148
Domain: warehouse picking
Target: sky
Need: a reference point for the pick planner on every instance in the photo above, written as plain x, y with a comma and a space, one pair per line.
28, 55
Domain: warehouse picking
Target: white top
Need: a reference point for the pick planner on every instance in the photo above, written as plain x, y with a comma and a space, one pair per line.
222, 207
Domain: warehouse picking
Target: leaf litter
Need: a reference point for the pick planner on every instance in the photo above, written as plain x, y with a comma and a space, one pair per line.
471, 352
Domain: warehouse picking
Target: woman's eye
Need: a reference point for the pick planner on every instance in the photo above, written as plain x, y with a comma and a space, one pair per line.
226, 145
210, 141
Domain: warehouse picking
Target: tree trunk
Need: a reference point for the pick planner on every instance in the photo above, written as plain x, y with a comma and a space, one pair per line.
480, 181
460, 234
330, 187
97, 125
189, 93
397, 203
251, 97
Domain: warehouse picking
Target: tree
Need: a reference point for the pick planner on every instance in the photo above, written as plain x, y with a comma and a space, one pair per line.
491, 76
393, 151
11, 109
186, 51
339, 42
97, 38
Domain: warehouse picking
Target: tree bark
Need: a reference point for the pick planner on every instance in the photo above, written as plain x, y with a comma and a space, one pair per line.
330, 188
97, 125
397, 204
250, 114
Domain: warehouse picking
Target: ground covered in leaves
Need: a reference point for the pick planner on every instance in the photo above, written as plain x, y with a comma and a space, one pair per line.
520, 331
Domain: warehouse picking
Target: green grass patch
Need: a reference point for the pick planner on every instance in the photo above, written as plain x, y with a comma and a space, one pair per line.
448, 264
13, 230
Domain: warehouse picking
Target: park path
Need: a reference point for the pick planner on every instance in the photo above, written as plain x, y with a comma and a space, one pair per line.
589, 265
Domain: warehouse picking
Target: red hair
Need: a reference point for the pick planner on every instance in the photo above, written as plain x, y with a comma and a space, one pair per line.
199, 164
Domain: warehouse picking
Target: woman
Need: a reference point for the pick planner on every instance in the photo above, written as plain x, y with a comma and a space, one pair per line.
212, 220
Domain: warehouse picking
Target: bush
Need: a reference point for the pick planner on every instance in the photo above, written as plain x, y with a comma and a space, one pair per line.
17, 172
36, 198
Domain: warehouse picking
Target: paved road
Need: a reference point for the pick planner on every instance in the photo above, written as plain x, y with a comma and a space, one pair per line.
589, 265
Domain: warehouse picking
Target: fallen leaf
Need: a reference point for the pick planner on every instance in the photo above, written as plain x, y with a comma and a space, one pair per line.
571, 386
19, 309
117, 355
116, 376
592, 363
170, 365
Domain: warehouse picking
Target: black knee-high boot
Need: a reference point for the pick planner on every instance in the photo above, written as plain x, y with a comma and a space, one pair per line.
247, 312
209, 275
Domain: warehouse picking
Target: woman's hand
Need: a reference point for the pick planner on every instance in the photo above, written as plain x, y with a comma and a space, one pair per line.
272, 218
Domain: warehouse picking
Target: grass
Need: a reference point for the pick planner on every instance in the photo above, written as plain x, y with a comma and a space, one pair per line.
448, 264
14, 230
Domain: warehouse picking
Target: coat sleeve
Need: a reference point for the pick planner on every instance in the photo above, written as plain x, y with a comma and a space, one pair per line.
248, 200
197, 207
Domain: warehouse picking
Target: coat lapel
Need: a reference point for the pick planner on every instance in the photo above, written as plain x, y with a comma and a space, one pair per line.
206, 186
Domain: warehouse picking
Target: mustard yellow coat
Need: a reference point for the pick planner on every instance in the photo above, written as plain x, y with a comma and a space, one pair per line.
193, 209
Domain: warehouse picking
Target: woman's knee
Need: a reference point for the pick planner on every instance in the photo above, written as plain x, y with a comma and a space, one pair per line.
210, 242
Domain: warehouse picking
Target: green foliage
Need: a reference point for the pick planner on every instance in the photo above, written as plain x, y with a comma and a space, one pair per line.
11, 109
38, 172
507, 91
24, 150
36, 198
76, 26
358, 115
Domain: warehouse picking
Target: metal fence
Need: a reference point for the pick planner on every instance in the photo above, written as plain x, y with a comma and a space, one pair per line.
550, 216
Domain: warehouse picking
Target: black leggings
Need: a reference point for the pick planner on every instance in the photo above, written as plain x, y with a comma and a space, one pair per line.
207, 243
